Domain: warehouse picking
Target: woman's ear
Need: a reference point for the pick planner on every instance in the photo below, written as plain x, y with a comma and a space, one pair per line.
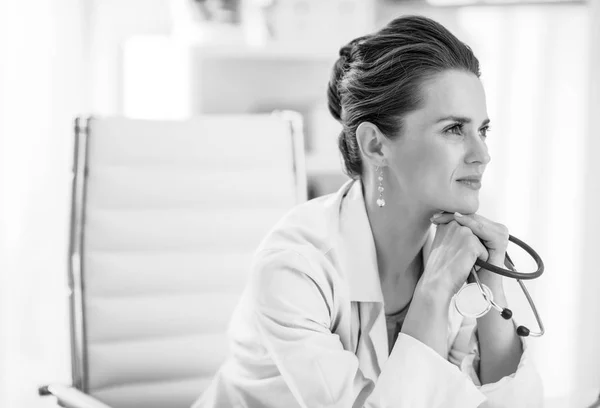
371, 143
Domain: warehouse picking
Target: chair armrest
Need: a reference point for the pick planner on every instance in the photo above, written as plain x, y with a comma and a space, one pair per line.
70, 397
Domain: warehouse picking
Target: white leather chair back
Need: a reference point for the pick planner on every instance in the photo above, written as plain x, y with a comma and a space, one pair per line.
166, 217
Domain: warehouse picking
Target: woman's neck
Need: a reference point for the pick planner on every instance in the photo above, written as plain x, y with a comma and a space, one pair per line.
400, 230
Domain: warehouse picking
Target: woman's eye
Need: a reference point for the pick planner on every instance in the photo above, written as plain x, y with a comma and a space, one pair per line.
456, 129
484, 131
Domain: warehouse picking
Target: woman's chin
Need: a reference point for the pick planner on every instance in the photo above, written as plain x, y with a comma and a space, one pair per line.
466, 206
462, 204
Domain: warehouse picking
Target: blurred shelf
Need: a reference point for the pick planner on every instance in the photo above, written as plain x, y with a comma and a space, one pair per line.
180, 78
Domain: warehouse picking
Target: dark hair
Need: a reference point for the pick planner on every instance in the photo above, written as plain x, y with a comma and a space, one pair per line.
378, 78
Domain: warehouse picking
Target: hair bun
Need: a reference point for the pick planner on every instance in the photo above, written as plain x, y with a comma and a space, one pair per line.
339, 68
347, 56
346, 51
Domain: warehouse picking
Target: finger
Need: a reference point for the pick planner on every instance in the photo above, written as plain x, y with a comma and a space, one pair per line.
442, 218
493, 236
483, 252
481, 226
478, 249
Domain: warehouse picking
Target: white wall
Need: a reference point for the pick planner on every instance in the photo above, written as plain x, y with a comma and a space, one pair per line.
587, 334
43, 81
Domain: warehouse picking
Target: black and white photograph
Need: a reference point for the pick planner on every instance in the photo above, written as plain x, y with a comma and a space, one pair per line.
299, 203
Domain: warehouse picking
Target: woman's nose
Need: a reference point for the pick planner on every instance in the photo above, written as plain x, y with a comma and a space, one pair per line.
477, 151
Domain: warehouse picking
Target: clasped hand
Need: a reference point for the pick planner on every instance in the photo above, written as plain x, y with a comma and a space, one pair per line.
461, 239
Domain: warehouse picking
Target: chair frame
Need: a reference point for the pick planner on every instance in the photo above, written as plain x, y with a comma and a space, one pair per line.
76, 295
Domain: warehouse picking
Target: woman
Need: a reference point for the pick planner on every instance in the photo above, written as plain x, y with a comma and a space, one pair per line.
350, 299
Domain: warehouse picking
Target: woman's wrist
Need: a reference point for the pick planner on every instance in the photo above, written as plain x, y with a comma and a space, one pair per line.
434, 293
491, 279
427, 318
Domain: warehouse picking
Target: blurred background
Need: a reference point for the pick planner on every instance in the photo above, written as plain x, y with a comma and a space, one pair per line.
171, 59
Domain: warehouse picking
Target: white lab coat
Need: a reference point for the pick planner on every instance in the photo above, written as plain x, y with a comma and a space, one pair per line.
310, 328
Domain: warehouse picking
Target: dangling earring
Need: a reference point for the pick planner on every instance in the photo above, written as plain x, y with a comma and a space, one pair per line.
380, 200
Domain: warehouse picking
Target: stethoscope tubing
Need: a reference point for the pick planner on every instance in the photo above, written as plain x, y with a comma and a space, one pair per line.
513, 274
535, 312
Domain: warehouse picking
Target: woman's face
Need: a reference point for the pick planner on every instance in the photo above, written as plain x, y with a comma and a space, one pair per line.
444, 142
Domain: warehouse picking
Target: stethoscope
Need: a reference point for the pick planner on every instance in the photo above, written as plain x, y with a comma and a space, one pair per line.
476, 299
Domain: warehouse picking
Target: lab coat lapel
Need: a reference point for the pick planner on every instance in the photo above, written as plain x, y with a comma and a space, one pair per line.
356, 247
372, 346
378, 335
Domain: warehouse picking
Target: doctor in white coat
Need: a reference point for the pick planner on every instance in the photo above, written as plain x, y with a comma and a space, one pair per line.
350, 301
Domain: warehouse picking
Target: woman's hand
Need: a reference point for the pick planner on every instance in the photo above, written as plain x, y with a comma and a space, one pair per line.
453, 253
494, 236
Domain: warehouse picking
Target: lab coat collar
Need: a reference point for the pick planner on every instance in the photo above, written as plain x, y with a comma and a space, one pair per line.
357, 246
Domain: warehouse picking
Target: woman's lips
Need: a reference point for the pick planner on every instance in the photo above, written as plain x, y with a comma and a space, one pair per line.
472, 184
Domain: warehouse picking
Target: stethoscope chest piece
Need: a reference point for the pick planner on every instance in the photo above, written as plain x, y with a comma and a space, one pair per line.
470, 301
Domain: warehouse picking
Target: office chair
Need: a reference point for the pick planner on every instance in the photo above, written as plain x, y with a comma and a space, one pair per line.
165, 218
